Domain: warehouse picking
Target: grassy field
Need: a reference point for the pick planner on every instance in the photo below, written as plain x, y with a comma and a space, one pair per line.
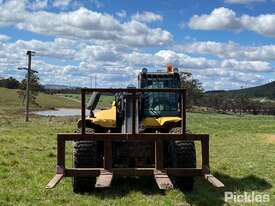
104, 101
241, 148
10, 101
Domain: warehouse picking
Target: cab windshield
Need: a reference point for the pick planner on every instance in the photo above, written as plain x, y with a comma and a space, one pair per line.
161, 103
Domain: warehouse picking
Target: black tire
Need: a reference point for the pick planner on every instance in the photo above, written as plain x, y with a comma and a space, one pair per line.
84, 156
182, 155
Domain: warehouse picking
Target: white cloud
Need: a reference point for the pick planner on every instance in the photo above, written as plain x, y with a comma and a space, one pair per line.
226, 19
138, 34
106, 61
224, 79
99, 53
83, 24
59, 48
112, 62
184, 61
147, 16
88, 42
61, 3
121, 14
97, 3
263, 24
214, 79
4, 38
219, 18
18, 12
230, 50
243, 1
252, 66
38, 4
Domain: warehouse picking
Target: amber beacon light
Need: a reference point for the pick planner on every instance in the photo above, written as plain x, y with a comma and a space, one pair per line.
169, 68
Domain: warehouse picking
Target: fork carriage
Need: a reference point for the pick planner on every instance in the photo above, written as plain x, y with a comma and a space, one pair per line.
161, 174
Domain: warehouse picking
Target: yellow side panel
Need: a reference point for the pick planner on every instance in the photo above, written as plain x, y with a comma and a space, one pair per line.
105, 118
151, 122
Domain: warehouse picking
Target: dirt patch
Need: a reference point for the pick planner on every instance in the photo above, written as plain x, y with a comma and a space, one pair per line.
270, 139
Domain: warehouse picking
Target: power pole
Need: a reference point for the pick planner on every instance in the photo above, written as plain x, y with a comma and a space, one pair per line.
29, 54
91, 80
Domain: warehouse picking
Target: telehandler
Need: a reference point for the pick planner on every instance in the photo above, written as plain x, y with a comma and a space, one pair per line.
142, 134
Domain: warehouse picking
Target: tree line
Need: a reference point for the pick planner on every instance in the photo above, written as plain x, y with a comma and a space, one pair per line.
221, 101
12, 83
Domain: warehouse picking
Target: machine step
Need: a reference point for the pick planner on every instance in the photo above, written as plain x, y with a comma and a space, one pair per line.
163, 181
214, 181
104, 179
54, 181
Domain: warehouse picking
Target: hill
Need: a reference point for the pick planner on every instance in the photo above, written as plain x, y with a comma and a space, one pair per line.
9, 100
57, 87
266, 90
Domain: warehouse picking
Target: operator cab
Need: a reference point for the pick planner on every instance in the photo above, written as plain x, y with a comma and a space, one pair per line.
160, 104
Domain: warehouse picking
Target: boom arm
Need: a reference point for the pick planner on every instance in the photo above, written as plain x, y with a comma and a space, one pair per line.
93, 101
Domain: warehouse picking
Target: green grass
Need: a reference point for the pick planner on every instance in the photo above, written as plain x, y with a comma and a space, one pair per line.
241, 155
104, 101
10, 101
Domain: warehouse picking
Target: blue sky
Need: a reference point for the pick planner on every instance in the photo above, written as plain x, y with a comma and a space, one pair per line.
226, 44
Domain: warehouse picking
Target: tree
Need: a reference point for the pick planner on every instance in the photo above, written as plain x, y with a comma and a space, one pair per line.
34, 85
242, 102
10, 83
194, 88
216, 101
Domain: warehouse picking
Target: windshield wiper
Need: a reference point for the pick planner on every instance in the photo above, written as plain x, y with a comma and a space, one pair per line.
155, 112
